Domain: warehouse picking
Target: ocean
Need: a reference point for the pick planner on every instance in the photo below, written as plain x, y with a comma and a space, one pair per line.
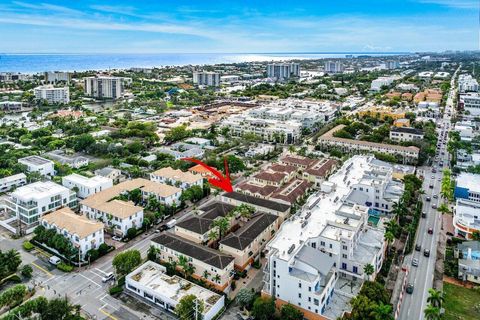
33, 63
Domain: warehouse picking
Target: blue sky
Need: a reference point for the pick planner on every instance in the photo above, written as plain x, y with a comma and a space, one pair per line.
237, 26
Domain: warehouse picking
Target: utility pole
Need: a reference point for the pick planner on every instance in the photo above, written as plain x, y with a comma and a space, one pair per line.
196, 309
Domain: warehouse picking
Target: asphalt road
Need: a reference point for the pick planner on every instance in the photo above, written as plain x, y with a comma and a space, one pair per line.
422, 276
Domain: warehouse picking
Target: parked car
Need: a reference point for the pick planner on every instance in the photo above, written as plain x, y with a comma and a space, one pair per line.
116, 238
426, 253
54, 260
435, 196
434, 206
109, 276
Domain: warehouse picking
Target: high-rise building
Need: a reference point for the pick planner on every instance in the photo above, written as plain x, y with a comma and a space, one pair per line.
204, 78
103, 87
392, 64
282, 71
56, 76
333, 66
52, 95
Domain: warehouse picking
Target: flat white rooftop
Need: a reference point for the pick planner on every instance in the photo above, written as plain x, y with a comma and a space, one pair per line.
85, 181
39, 190
470, 181
321, 209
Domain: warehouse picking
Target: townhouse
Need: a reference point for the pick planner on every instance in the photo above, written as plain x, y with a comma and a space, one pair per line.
83, 233
176, 177
164, 193
212, 266
277, 208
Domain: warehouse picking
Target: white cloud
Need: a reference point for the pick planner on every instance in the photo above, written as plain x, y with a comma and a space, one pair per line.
460, 4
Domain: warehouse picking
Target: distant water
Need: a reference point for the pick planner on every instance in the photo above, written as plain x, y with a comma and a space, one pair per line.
32, 63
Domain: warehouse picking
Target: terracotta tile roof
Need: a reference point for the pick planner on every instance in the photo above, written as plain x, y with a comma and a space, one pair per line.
118, 208
162, 190
66, 219
177, 175
264, 191
201, 170
283, 168
292, 191
296, 160
270, 176
321, 167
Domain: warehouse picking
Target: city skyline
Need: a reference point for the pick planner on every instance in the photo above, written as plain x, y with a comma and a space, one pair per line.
219, 26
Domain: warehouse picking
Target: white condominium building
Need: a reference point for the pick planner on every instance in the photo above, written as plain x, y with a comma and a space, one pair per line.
52, 94
103, 87
466, 218
36, 199
377, 84
15, 181
466, 83
333, 66
84, 234
38, 164
86, 186
470, 102
283, 71
56, 76
329, 239
204, 78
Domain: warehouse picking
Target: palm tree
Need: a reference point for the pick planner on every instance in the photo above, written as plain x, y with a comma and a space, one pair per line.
389, 237
392, 227
443, 208
12, 260
431, 313
368, 269
222, 224
183, 262
382, 312
435, 298
216, 278
213, 235
206, 274
189, 270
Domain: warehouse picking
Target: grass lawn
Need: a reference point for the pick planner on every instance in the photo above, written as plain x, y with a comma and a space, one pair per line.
461, 303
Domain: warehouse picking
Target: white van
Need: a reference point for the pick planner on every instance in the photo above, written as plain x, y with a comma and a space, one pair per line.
54, 260
170, 224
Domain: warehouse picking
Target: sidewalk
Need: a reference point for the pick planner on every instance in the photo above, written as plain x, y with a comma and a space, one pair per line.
458, 282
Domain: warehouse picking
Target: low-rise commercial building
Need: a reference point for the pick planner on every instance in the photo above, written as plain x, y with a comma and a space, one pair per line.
83, 233
466, 218
470, 103
38, 164
85, 187
151, 282
467, 187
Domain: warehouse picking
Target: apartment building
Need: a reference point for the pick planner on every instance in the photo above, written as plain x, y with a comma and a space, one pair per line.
38, 164
466, 217
83, 233
467, 187
382, 113
246, 243
283, 71
31, 201
11, 106
328, 141
164, 193
333, 66
328, 240
52, 94
176, 177
466, 83
263, 205
57, 76
379, 83
402, 134
470, 102
14, 181
205, 78
103, 87
72, 160
218, 266
150, 282
85, 186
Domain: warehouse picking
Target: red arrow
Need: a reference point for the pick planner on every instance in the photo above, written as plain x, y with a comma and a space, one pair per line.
221, 181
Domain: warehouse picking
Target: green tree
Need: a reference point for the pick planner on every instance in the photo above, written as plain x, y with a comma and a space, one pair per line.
222, 224
177, 134
382, 312
263, 308
435, 298
189, 308
27, 271
126, 261
245, 298
431, 313
131, 233
368, 269
289, 312
152, 253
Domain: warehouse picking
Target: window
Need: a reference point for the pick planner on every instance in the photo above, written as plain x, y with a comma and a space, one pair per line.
344, 256
315, 302
309, 299
322, 243
299, 295
300, 285
330, 246
310, 289
344, 247
355, 269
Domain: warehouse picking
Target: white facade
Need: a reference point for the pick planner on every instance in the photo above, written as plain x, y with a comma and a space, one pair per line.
86, 186
176, 177
38, 164
405, 134
151, 282
283, 71
377, 84
84, 234
52, 95
56, 76
466, 83
466, 217
34, 200
333, 66
103, 87
15, 181
203, 78
330, 238
471, 103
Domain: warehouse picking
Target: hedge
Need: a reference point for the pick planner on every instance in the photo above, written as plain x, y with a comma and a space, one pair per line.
115, 290
64, 267
28, 246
